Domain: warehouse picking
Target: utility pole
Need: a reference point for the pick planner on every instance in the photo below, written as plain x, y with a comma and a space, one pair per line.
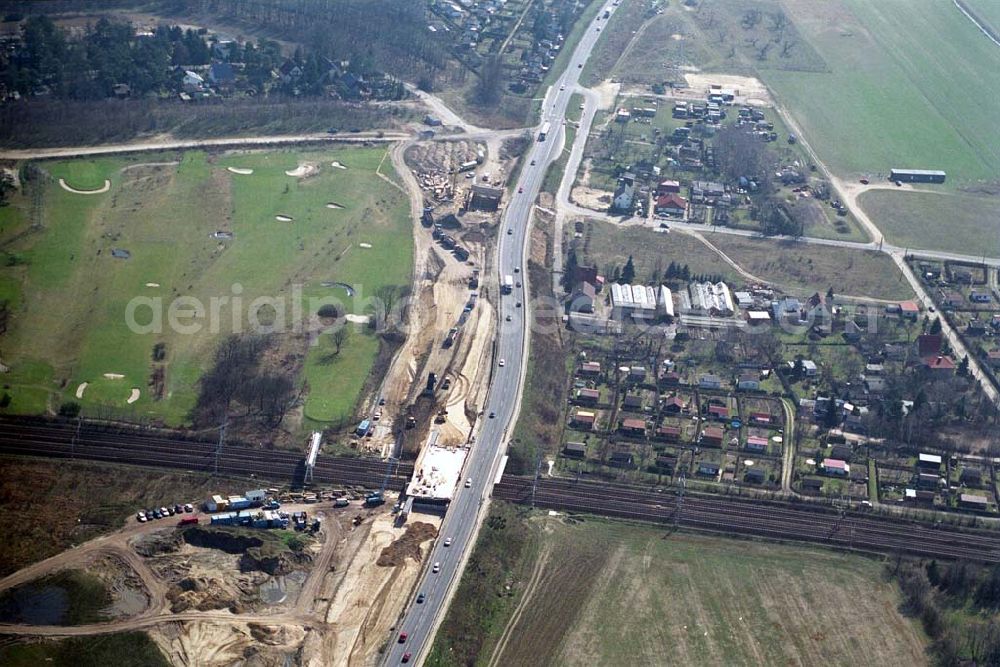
218, 448
534, 483
72, 442
682, 483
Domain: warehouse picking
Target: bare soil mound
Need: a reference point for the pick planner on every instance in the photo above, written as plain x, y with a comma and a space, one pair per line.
408, 546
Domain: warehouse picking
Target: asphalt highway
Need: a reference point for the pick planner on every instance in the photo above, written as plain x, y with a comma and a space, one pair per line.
462, 519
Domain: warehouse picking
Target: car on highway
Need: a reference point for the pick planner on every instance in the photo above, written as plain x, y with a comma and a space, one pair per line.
407, 656
580, 66
562, 87
510, 230
518, 304
468, 483
502, 363
447, 542
421, 598
436, 568
402, 637
492, 415
518, 283
508, 318
520, 189
532, 163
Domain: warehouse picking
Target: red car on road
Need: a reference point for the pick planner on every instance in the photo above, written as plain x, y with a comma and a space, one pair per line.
402, 637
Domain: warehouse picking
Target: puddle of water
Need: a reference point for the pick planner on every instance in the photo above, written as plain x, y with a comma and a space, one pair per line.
35, 605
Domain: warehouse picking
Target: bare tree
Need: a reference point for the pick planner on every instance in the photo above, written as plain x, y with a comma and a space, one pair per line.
751, 18
340, 336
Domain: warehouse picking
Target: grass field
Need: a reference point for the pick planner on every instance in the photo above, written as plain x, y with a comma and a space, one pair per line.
129, 648
608, 246
800, 268
594, 591
903, 87
959, 222
72, 295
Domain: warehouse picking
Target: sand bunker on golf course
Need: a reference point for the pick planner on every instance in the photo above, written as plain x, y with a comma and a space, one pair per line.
358, 319
333, 204
134, 396
364, 245
80, 389
337, 165
69, 188
303, 171
283, 218
237, 170
152, 284
114, 376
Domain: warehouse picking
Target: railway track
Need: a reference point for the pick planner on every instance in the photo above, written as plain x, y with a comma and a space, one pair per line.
89, 442
735, 516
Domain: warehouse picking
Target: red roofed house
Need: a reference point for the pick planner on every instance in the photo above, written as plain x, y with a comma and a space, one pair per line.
633, 427
719, 412
668, 433
668, 187
590, 368
755, 443
835, 467
671, 204
588, 396
939, 365
673, 405
760, 417
909, 310
712, 436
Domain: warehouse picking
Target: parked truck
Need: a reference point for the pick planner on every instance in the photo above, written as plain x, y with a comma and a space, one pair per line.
374, 499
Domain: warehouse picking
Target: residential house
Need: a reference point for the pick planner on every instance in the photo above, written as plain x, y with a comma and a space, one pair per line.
193, 82
756, 443
632, 402
221, 75
637, 373
707, 469
909, 310
673, 405
588, 396
841, 452
760, 418
666, 463
812, 484
973, 502
929, 462
920, 496
950, 299
939, 365
668, 187
712, 436
926, 480
668, 433
809, 368
582, 299
671, 204
710, 382
835, 467
718, 412
971, 477
621, 458
633, 427
624, 193
754, 476
584, 419
575, 449
993, 358
590, 368
749, 382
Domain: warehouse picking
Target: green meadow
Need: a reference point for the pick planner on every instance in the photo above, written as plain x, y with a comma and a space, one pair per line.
908, 83
70, 295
